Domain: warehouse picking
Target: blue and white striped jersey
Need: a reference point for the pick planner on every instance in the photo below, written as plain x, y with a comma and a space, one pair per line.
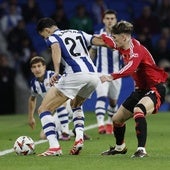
40, 88
75, 55
107, 60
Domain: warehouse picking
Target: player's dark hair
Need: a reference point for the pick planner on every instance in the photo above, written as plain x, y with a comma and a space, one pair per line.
45, 23
122, 27
37, 59
110, 11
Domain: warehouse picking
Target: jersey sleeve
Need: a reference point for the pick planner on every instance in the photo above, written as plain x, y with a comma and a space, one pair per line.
87, 37
33, 93
108, 41
129, 68
33, 90
51, 40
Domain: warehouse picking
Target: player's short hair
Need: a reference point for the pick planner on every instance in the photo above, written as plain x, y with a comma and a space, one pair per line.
122, 27
37, 59
45, 23
110, 11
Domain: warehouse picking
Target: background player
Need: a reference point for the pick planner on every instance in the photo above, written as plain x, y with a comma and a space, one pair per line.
39, 86
107, 61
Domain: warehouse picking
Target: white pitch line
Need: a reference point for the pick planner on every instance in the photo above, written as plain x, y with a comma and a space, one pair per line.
7, 151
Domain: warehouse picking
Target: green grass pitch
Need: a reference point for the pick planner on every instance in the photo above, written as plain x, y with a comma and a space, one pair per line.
158, 147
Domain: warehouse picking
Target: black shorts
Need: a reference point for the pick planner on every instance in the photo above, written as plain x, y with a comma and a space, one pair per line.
137, 95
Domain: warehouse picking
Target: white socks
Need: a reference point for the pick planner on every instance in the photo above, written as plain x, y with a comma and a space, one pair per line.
120, 147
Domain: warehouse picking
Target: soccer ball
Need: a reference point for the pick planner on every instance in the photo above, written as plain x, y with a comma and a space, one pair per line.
24, 145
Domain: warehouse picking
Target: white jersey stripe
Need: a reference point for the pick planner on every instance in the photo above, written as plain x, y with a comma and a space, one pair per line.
125, 67
75, 55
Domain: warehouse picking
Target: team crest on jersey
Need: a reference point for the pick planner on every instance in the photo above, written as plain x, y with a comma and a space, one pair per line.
133, 55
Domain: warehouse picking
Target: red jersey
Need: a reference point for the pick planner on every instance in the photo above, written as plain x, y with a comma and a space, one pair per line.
139, 64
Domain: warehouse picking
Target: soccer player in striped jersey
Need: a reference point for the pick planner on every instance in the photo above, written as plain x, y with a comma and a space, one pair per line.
149, 91
107, 61
39, 86
69, 47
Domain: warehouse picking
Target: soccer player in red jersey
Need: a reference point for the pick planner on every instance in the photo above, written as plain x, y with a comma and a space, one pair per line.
149, 90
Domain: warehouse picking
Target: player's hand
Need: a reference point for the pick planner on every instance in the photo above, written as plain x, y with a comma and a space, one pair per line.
32, 123
108, 40
98, 35
105, 78
54, 79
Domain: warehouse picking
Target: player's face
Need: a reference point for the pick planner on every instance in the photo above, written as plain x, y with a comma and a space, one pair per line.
109, 20
119, 39
38, 69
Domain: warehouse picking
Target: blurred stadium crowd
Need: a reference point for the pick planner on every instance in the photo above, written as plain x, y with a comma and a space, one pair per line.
19, 41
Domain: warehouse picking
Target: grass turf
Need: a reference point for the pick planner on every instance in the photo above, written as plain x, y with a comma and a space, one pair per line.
13, 126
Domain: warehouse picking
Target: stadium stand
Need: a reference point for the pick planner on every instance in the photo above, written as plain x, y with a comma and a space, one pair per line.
126, 9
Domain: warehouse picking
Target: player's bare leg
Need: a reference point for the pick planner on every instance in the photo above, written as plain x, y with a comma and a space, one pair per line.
53, 99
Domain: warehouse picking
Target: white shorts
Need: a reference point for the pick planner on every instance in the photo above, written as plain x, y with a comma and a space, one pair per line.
109, 89
81, 84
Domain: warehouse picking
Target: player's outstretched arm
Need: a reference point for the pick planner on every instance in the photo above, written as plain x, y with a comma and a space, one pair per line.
103, 40
97, 40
